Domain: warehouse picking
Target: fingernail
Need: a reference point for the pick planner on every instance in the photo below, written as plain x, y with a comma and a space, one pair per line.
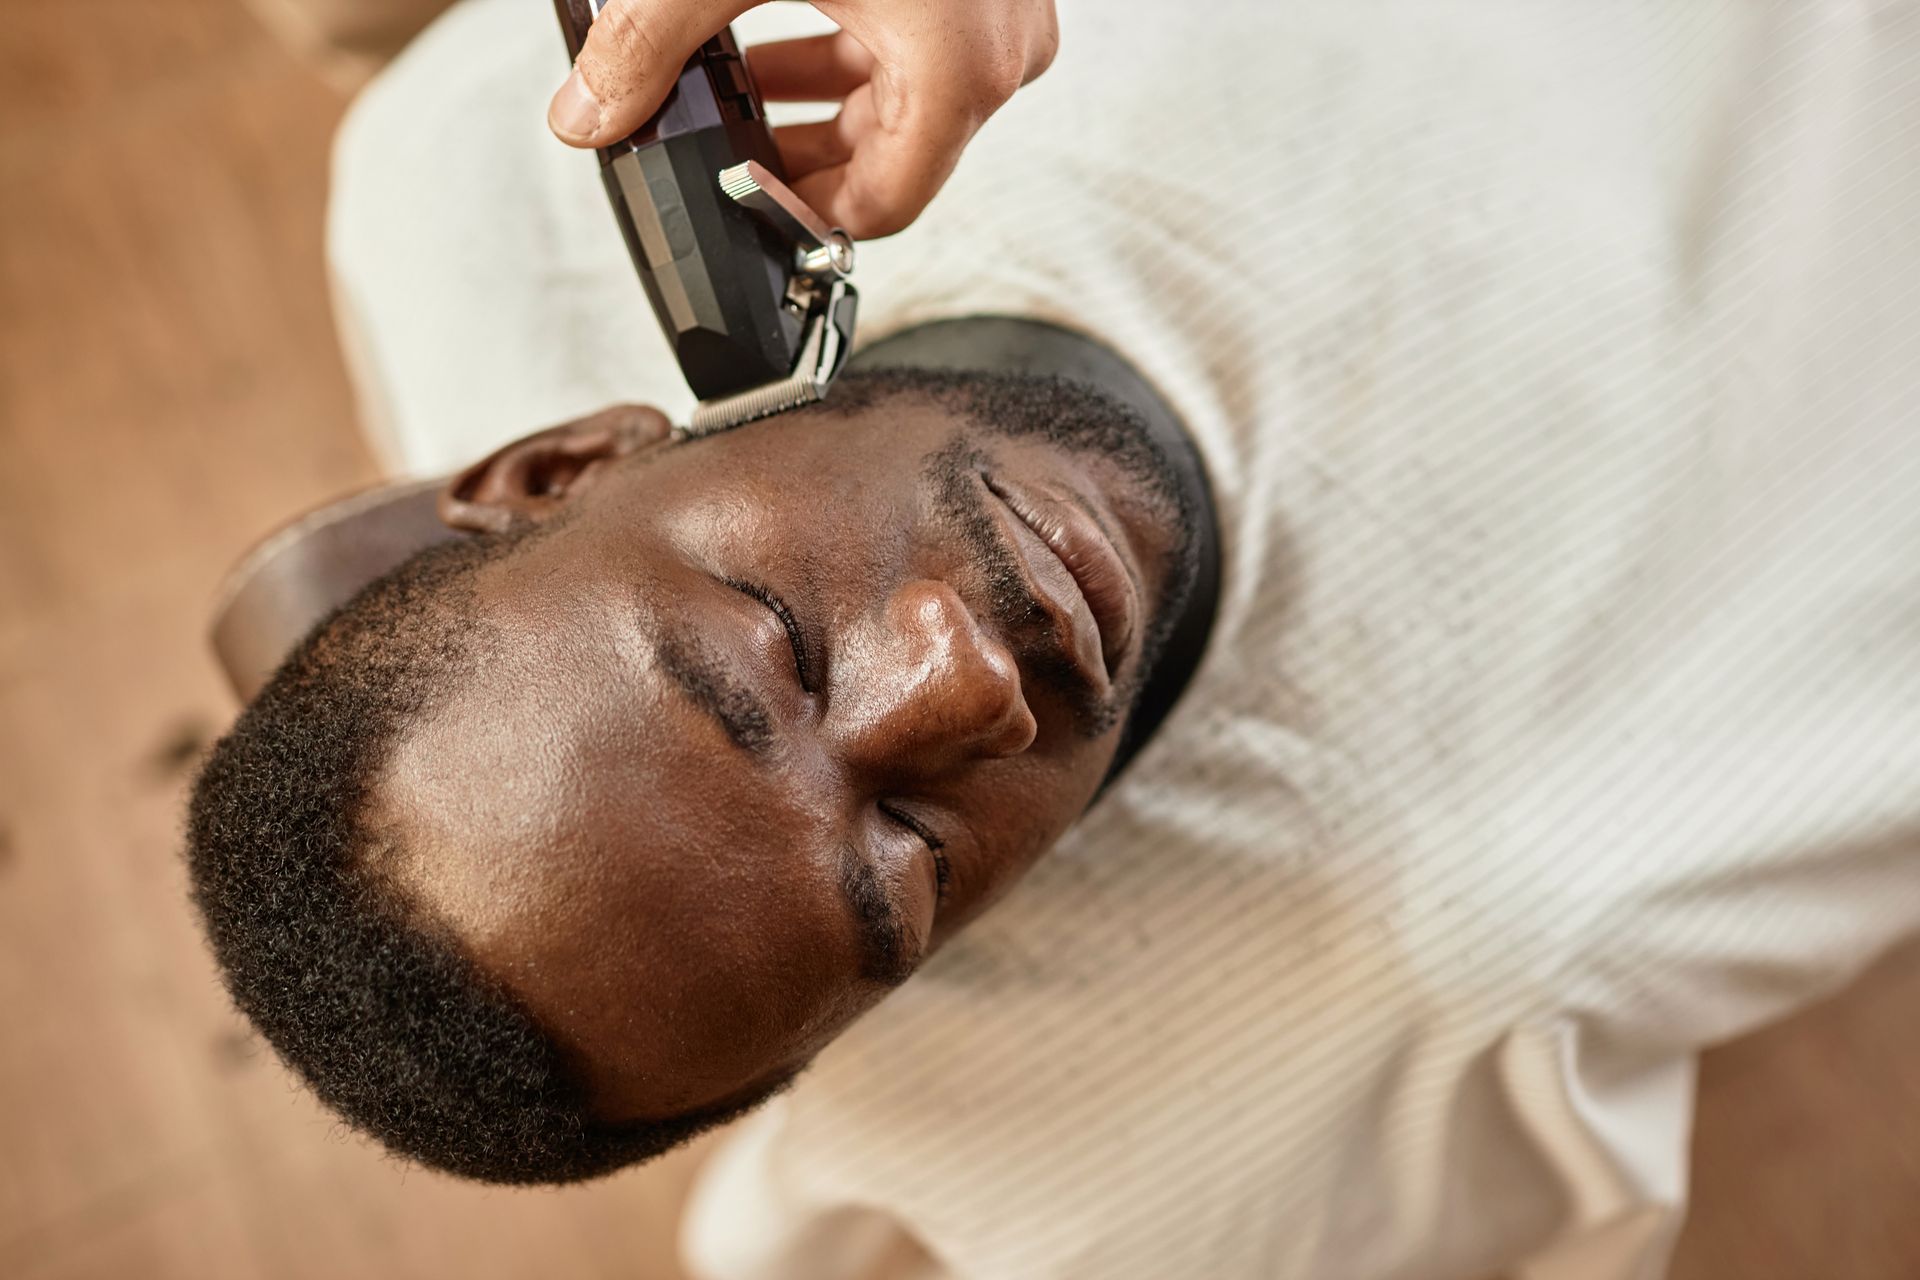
575, 113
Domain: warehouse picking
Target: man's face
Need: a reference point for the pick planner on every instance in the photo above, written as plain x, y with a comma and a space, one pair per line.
765, 718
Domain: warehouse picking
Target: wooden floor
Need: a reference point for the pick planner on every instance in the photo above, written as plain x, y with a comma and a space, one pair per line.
169, 388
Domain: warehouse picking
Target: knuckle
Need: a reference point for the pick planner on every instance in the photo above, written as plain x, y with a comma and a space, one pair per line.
1003, 70
878, 200
1046, 47
866, 212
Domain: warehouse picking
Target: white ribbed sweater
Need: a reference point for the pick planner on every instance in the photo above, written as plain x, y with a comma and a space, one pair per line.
1558, 366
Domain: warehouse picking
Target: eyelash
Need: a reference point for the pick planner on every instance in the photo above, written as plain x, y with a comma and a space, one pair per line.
802, 658
933, 843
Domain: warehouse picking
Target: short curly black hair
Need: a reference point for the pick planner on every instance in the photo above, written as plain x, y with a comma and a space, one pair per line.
376, 1007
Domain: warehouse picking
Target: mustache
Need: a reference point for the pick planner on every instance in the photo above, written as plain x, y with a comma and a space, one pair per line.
957, 473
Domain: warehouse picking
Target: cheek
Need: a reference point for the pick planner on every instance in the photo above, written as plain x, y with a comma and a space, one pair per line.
709, 965
1020, 814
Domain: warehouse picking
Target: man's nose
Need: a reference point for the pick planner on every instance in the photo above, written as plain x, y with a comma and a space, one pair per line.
923, 688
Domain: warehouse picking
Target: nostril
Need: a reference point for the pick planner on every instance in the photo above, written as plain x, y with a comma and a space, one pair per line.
986, 702
1015, 730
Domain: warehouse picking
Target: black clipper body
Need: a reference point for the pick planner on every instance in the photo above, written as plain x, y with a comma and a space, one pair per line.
749, 285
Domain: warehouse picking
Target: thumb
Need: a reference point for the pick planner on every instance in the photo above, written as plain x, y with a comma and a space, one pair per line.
632, 56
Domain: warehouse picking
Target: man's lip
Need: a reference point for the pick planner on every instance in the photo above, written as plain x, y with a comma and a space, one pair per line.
1099, 575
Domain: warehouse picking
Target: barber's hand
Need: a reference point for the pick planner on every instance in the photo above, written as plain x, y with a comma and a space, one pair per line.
914, 80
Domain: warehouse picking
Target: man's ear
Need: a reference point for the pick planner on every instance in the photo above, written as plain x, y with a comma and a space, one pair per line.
537, 475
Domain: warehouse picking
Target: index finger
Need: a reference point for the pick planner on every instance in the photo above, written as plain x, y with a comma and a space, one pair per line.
810, 68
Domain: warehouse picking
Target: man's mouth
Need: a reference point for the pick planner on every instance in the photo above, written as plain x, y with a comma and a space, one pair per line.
1076, 573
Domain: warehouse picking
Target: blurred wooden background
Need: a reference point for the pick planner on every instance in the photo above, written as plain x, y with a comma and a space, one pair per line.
169, 389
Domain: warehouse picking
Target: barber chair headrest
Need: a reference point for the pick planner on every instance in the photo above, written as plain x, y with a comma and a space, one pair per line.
302, 572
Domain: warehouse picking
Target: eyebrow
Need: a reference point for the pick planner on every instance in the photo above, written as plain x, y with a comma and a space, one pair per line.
887, 953
711, 683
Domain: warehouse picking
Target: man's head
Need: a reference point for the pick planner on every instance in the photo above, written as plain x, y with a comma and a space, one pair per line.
577, 835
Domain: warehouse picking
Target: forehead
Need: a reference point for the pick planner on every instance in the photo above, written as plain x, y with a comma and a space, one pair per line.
601, 848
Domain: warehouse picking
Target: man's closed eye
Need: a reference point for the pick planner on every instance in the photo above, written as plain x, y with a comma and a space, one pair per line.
803, 659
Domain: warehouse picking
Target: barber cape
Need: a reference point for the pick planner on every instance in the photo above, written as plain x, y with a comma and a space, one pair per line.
1557, 366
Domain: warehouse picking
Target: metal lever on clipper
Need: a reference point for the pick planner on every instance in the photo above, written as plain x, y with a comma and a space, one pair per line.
823, 251
819, 287
748, 283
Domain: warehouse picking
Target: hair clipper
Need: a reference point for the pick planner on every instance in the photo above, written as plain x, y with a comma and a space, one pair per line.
751, 287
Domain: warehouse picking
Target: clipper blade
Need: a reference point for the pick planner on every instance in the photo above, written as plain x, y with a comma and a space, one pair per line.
829, 332
762, 402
